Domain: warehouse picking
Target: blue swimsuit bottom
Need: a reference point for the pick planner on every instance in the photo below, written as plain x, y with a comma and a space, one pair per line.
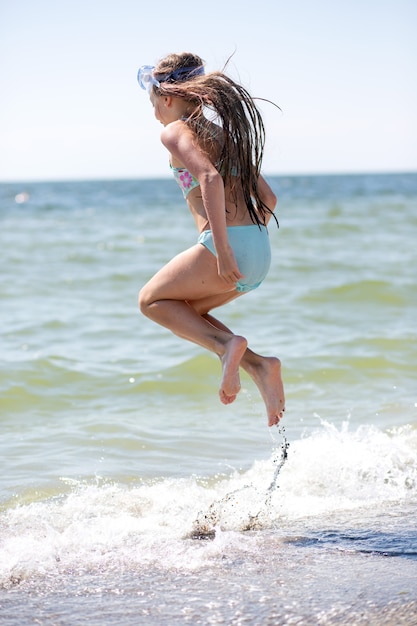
252, 250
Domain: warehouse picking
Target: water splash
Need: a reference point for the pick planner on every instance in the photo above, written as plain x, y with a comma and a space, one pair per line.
281, 455
207, 521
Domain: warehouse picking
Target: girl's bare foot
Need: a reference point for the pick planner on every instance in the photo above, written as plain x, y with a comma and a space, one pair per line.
230, 385
267, 376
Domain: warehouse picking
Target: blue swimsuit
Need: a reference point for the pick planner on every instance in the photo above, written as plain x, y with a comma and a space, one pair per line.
250, 243
252, 250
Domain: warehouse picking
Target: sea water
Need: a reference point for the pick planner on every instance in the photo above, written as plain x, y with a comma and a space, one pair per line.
129, 494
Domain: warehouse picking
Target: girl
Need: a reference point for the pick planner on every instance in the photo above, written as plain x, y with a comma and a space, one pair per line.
215, 136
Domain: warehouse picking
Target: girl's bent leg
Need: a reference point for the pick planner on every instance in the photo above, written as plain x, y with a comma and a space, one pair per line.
164, 299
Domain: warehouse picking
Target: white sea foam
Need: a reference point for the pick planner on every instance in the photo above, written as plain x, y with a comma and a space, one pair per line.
114, 525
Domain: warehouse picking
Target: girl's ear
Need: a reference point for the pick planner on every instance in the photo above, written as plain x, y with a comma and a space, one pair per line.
168, 101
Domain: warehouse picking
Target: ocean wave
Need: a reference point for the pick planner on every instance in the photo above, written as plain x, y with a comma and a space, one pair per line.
330, 478
361, 291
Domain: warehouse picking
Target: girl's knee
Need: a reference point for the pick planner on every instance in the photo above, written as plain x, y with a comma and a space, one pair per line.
144, 301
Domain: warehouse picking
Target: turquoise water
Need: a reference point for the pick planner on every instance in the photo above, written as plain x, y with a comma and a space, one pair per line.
115, 450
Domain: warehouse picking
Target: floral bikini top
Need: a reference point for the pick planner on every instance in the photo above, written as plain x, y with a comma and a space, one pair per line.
185, 179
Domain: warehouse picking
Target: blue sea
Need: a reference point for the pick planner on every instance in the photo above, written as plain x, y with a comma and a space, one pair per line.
129, 494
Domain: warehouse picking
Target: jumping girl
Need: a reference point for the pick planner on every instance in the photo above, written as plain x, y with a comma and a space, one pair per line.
215, 135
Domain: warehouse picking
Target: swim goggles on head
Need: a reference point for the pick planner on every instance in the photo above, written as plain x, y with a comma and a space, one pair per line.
147, 80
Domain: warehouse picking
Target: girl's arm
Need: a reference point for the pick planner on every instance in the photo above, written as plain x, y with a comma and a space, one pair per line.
180, 142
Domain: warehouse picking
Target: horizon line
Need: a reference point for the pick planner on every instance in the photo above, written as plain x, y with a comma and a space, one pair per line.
306, 174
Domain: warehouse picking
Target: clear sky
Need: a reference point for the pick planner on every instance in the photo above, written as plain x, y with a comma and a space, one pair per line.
343, 72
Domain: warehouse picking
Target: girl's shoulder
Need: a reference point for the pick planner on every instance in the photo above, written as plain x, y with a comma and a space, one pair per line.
174, 132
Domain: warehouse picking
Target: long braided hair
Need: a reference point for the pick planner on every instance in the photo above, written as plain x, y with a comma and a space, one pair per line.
241, 126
